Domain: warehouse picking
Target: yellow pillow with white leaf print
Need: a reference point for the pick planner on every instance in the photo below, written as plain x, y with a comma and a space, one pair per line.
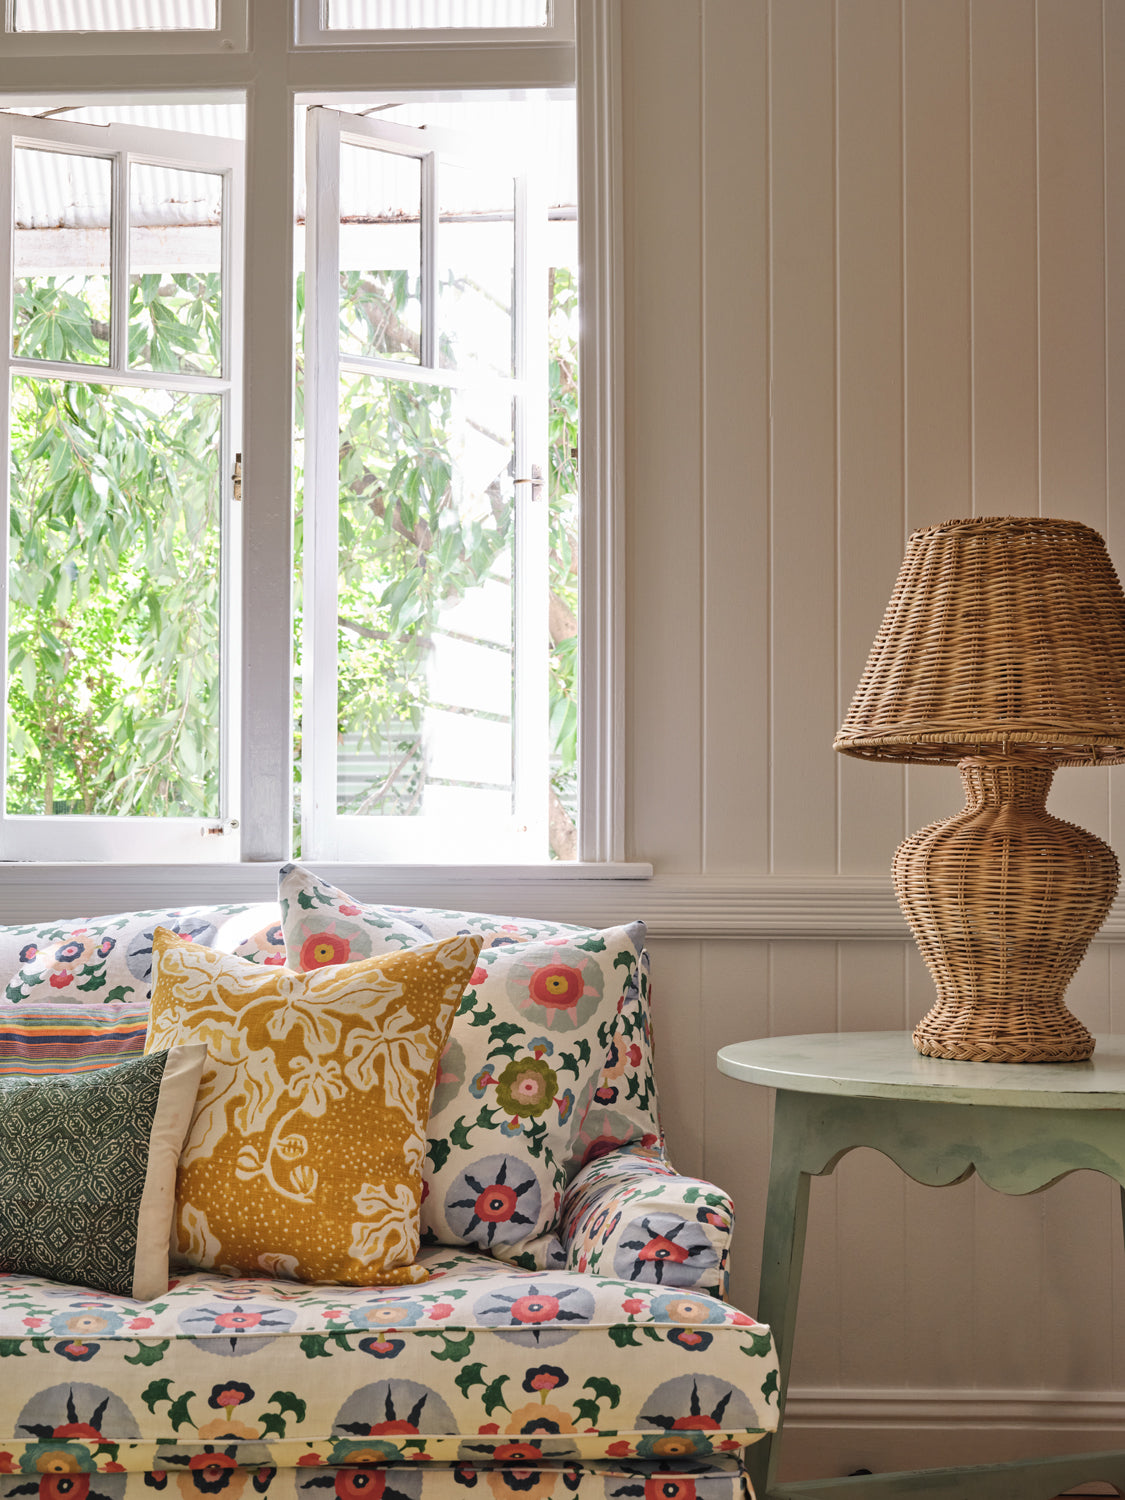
304, 1155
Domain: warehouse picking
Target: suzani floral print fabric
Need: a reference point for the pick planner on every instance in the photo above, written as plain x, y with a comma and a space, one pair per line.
537, 1037
631, 1215
189, 1476
100, 960
478, 1364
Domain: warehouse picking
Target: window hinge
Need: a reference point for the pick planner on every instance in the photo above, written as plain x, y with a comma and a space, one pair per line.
217, 830
236, 493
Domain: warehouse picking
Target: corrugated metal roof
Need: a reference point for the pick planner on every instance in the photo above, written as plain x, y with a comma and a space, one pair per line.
359, 15
116, 15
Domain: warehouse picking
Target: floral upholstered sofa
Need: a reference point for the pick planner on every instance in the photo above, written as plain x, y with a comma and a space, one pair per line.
571, 1337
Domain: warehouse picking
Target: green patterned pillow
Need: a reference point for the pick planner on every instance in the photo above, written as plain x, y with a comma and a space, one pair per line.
88, 1171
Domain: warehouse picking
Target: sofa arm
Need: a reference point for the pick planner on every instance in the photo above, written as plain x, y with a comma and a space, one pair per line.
630, 1214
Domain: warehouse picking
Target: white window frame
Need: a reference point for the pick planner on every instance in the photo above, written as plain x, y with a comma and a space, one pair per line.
326, 833
230, 35
312, 31
271, 75
96, 838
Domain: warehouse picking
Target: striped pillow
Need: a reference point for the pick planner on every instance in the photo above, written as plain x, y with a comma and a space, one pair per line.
48, 1037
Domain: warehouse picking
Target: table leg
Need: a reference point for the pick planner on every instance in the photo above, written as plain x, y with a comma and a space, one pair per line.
783, 1249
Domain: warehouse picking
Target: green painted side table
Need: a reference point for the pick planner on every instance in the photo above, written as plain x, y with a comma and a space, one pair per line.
1019, 1126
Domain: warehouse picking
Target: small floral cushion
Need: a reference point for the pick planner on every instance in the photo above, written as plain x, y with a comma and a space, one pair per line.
526, 1057
630, 1215
100, 960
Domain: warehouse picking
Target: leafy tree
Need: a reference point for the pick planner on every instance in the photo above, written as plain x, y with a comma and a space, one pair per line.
114, 685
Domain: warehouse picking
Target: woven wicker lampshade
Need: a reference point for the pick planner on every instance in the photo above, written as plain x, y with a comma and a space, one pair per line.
1002, 651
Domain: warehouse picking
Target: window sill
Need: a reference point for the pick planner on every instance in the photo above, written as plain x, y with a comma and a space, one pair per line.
585, 893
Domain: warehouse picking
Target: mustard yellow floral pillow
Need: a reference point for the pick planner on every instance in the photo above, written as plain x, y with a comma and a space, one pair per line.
304, 1155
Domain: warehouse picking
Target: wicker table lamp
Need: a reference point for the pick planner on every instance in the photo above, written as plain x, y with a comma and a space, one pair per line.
1002, 651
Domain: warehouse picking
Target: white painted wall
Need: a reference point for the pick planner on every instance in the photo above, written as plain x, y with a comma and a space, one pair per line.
876, 262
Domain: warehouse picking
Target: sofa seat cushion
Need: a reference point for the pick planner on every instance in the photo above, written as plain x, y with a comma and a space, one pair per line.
185, 1479
482, 1363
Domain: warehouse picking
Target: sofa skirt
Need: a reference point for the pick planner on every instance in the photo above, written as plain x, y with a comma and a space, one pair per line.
215, 1474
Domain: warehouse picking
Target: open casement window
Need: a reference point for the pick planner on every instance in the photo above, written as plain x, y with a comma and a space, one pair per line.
425, 658
120, 263
55, 28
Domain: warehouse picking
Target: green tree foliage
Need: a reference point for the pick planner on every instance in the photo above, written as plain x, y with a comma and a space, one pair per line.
114, 697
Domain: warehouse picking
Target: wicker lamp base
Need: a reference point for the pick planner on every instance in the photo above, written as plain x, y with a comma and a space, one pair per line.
1003, 900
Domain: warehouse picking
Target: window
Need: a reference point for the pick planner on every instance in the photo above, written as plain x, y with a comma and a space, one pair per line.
413, 22
120, 306
435, 288
58, 27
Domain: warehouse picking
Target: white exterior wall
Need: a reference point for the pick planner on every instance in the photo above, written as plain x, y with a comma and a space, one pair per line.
876, 262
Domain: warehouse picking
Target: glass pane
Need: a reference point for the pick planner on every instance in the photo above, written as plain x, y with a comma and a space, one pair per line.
380, 254
116, 15
61, 261
175, 276
476, 268
411, 15
113, 650
425, 614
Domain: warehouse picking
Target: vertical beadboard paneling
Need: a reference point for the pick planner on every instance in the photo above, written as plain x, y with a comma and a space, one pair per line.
1072, 306
870, 1237
938, 356
803, 271
1005, 259
736, 681
871, 473
683, 1069
735, 978
661, 85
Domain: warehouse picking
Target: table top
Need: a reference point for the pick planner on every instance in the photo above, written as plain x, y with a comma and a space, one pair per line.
884, 1065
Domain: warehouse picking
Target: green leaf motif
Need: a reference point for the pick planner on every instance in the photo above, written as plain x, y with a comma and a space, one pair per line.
459, 1134
604, 1390
272, 1423
438, 1152
287, 1402
11, 1348
587, 1411
148, 1354
153, 1394
453, 1348
593, 944
492, 1396
759, 1344
483, 1017
624, 1335
769, 1385
313, 1345
178, 1413
469, 1377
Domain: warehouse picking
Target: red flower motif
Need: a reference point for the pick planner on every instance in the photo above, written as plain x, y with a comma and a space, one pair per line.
60, 980
633, 1305
619, 1450
558, 985
659, 1248
360, 1484
440, 1310
536, 1308
140, 1322
309, 1460
480, 974
324, 948
489, 1427
275, 958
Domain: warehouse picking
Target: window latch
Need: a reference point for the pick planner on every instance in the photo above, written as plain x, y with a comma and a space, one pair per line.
536, 482
236, 477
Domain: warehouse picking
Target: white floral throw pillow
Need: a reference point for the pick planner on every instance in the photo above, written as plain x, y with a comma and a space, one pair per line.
525, 1060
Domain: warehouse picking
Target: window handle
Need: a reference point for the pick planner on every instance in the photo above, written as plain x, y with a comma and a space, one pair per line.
536, 482
236, 477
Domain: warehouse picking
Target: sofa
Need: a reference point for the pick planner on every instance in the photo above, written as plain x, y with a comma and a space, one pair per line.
587, 1351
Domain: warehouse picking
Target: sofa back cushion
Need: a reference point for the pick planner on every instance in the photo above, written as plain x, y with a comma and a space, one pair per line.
103, 960
526, 1058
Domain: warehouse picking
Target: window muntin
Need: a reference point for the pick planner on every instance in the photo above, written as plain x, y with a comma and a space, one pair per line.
117, 713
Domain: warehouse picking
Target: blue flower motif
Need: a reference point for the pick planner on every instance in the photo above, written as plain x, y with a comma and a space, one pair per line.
85, 1322
235, 1328
391, 1312
670, 1308
663, 1248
